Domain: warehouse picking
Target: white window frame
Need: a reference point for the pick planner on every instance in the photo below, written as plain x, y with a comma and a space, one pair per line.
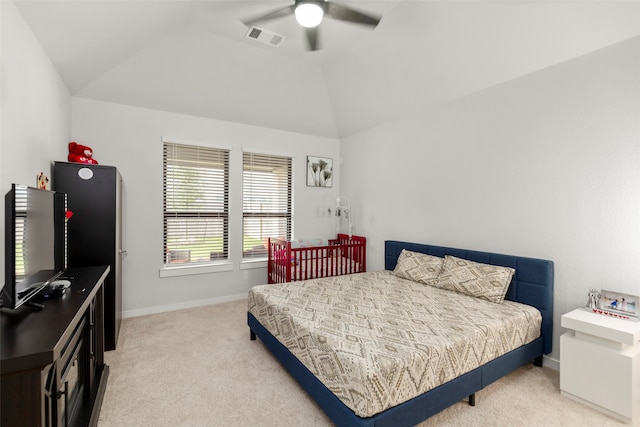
260, 261
223, 264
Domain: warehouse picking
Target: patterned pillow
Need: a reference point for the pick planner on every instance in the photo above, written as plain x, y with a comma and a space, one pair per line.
418, 267
485, 281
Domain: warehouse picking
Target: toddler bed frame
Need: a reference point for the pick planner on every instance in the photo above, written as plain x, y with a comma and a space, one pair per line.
342, 255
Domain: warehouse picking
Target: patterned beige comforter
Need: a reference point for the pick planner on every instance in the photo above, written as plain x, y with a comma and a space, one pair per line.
377, 340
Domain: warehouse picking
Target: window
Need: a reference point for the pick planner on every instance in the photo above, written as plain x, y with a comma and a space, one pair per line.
267, 201
196, 204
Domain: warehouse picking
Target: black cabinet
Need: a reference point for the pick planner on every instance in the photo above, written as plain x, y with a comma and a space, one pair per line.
53, 370
95, 229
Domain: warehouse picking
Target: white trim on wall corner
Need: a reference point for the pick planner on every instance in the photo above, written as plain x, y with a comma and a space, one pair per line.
551, 363
186, 270
182, 305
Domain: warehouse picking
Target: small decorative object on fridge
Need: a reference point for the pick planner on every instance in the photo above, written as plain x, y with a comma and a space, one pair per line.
79, 153
42, 181
319, 172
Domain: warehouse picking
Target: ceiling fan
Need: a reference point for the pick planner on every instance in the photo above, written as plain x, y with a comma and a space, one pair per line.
309, 14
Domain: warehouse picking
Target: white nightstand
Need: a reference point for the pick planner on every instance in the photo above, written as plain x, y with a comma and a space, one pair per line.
600, 363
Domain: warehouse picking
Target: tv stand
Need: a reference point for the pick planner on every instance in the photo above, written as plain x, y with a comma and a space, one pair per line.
34, 304
53, 370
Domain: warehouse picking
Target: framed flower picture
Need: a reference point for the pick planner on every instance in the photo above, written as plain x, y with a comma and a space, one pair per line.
319, 171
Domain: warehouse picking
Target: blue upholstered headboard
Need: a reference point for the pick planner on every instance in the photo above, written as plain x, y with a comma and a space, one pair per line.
532, 282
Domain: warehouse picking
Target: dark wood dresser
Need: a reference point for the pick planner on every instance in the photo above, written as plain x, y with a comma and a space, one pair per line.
53, 370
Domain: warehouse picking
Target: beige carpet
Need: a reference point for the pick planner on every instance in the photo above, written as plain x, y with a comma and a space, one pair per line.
197, 367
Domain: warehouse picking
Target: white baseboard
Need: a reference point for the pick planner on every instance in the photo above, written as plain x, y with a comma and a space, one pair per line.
181, 306
548, 362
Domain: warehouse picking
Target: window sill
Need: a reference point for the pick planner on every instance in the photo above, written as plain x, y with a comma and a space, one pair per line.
248, 264
186, 270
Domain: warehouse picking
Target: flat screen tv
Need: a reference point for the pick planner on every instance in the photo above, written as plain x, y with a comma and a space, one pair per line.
35, 242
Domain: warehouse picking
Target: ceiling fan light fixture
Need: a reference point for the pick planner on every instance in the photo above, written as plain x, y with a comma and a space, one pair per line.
309, 13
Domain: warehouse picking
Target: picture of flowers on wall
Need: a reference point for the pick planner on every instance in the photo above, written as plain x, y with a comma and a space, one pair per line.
319, 172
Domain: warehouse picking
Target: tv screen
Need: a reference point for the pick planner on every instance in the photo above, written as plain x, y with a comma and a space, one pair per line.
35, 242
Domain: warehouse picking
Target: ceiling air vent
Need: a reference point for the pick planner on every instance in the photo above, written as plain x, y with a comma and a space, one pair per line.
265, 36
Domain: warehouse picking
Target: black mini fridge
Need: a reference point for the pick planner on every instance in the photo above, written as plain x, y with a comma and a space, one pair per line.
94, 194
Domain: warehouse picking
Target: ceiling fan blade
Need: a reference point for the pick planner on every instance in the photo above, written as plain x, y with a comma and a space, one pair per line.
274, 14
312, 38
344, 13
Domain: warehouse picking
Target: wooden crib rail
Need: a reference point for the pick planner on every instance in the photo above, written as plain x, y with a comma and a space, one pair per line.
342, 255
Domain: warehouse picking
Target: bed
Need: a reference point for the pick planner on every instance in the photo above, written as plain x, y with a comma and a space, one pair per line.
293, 260
319, 360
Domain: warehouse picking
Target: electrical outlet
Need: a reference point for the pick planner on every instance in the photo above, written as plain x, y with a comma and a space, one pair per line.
245, 275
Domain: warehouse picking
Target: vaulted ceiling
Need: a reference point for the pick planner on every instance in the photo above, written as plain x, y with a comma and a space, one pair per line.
192, 57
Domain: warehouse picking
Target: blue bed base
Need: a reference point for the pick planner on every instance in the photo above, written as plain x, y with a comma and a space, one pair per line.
532, 284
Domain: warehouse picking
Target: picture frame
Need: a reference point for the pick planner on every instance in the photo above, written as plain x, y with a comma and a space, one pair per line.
619, 303
42, 181
319, 171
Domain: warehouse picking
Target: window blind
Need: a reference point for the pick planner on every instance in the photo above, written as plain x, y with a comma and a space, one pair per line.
196, 203
267, 201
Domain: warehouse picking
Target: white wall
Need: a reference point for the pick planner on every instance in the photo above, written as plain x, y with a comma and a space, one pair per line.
131, 139
35, 108
547, 166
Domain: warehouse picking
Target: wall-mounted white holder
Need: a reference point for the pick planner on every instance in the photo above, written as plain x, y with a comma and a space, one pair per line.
342, 210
